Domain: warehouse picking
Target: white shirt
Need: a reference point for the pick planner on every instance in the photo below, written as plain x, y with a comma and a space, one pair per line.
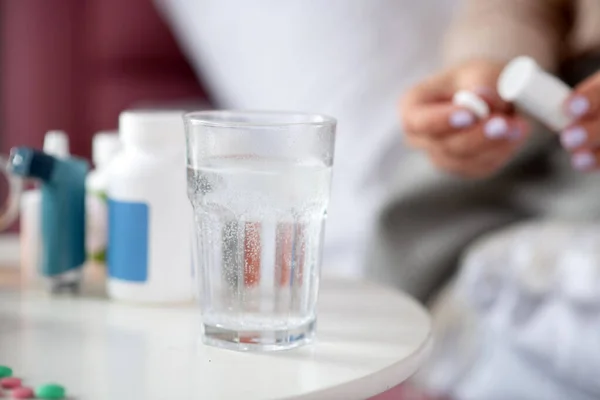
351, 59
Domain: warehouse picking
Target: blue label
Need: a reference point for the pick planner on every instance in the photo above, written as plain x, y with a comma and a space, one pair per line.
127, 241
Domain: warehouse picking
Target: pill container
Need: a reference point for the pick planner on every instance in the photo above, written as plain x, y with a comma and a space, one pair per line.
149, 246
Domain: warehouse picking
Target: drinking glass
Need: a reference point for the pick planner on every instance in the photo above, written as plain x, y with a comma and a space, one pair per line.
259, 185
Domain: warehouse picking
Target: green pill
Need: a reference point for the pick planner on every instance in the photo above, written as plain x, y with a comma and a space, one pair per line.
50, 391
5, 371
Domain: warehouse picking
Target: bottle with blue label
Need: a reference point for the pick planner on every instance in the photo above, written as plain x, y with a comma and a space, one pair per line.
149, 249
62, 212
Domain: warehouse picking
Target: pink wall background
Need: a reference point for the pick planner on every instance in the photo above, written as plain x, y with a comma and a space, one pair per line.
74, 65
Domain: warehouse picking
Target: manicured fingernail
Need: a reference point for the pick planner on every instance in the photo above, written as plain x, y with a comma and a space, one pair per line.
496, 128
516, 133
578, 105
461, 119
484, 91
583, 161
573, 137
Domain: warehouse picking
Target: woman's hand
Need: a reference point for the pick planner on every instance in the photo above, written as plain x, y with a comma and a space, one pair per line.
582, 138
452, 136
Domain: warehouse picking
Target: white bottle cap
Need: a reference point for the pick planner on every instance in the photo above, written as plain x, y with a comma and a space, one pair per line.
471, 102
535, 91
153, 131
105, 145
56, 143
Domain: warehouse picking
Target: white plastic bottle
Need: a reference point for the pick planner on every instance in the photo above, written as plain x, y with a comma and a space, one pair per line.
535, 91
56, 143
105, 146
149, 254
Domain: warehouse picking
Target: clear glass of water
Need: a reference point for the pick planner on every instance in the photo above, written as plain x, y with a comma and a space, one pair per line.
259, 185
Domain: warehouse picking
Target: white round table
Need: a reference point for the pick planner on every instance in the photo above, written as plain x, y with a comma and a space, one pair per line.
369, 339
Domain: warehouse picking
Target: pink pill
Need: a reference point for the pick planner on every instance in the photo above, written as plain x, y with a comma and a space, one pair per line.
23, 393
10, 383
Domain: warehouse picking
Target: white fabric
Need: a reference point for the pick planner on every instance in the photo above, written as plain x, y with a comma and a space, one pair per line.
530, 297
351, 59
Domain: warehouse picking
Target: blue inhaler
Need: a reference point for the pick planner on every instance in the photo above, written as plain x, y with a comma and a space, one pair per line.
62, 213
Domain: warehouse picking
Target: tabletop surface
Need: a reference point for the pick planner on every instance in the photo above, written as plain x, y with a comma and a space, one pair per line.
369, 339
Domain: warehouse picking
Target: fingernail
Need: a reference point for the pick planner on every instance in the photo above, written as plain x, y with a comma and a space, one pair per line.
516, 133
583, 161
484, 91
573, 137
461, 119
496, 128
578, 105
